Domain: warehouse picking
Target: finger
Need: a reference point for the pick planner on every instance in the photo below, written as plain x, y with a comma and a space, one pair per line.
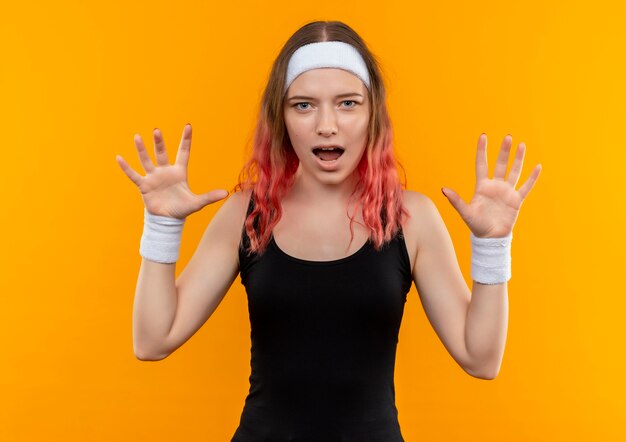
214, 195
146, 161
159, 148
530, 182
182, 157
516, 168
130, 173
503, 159
481, 158
456, 201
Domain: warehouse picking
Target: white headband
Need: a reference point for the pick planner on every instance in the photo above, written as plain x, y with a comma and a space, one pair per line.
327, 54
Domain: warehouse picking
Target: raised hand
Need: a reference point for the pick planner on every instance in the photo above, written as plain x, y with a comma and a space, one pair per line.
164, 189
494, 208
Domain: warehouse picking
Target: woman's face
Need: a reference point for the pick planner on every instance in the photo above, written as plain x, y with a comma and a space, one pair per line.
327, 107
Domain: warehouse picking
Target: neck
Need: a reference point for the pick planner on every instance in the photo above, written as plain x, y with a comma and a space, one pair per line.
306, 188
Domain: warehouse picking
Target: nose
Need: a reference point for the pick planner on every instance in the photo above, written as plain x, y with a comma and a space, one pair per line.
327, 123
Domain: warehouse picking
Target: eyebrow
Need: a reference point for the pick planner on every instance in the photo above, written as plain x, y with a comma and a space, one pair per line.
302, 97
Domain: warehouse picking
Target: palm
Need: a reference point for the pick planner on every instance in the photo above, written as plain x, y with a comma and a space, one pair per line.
494, 208
166, 191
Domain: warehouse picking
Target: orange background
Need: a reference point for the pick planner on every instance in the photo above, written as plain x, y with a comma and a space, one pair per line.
78, 80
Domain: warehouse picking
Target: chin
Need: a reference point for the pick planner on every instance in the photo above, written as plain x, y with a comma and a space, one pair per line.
333, 178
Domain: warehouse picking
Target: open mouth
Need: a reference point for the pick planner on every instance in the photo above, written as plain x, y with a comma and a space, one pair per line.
328, 153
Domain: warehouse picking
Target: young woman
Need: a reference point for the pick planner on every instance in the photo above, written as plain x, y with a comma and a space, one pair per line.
327, 244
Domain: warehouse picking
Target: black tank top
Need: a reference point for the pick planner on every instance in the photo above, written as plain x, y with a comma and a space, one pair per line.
324, 337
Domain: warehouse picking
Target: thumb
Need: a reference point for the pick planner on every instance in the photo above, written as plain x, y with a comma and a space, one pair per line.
213, 196
455, 200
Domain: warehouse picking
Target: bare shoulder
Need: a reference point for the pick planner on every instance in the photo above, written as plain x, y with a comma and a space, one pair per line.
225, 226
422, 211
233, 212
413, 198
420, 207
239, 200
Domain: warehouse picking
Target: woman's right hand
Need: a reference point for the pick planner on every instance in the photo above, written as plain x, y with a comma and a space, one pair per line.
164, 189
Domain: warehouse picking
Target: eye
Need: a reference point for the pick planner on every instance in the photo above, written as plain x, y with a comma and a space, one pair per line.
298, 104
354, 103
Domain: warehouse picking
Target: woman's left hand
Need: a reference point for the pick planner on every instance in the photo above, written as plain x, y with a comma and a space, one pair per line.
495, 205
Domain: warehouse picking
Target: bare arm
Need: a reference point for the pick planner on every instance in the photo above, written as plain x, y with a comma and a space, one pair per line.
167, 312
153, 309
486, 326
471, 325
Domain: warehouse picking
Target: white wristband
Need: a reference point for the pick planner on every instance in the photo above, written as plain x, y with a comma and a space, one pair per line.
161, 237
491, 259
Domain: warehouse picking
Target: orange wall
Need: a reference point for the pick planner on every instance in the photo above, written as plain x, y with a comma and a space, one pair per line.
79, 79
